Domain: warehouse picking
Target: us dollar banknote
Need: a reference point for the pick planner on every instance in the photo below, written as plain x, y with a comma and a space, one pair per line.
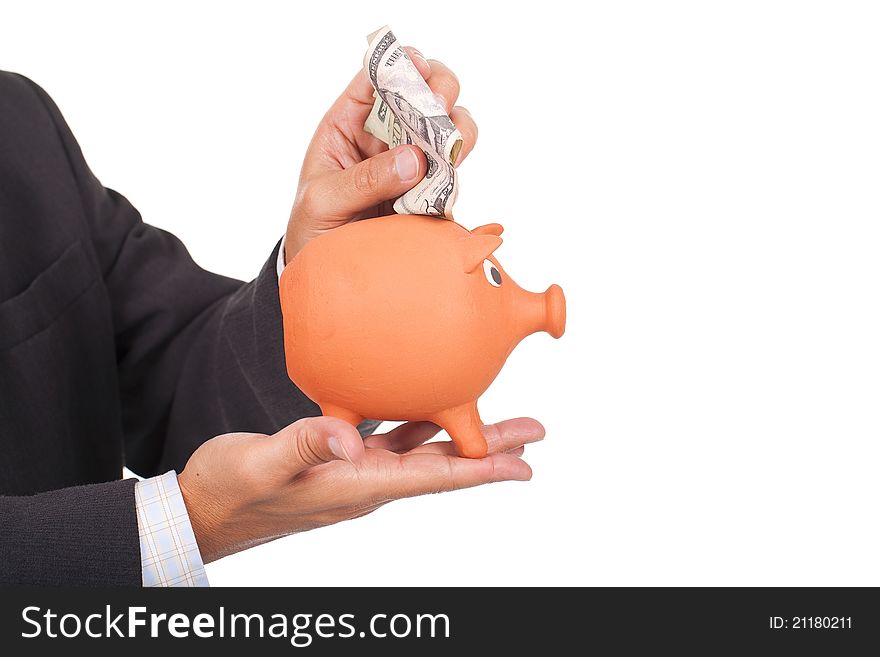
407, 112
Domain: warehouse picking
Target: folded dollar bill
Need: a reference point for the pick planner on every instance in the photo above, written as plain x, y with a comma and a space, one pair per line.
407, 112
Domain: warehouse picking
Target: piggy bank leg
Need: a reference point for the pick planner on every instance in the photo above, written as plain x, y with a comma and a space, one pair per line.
463, 425
343, 414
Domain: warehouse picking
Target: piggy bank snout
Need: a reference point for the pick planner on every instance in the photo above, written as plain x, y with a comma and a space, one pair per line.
543, 311
554, 302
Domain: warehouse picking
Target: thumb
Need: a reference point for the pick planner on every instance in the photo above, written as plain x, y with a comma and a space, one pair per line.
316, 440
379, 178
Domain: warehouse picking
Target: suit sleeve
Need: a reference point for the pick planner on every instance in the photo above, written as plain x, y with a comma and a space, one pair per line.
98, 519
198, 354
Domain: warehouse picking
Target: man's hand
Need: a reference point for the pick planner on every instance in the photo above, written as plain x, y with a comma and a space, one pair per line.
349, 174
244, 489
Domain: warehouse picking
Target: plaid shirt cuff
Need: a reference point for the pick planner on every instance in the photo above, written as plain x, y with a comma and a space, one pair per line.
169, 552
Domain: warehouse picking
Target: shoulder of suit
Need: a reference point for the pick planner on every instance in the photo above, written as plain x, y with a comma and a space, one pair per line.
15, 84
24, 106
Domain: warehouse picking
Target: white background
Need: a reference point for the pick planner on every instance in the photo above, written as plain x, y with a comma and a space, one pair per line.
701, 179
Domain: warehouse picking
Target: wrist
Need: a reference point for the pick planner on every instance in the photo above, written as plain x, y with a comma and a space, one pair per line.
291, 244
207, 519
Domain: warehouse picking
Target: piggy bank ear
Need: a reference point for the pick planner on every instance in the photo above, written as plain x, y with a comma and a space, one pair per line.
488, 229
476, 248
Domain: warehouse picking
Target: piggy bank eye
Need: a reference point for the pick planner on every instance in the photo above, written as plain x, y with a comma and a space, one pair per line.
492, 273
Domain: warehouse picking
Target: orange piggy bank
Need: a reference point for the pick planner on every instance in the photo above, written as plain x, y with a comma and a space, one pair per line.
407, 318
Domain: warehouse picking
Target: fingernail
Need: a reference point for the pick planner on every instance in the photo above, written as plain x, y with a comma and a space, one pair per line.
442, 100
338, 448
407, 165
418, 55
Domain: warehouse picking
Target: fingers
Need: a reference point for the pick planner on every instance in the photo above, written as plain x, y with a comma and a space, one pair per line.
366, 184
506, 435
422, 65
468, 129
438, 76
403, 438
353, 105
434, 468
501, 437
443, 82
316, 440
448, 448
421, 473
360, 89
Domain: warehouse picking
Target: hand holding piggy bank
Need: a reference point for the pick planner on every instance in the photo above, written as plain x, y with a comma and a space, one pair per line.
407, 318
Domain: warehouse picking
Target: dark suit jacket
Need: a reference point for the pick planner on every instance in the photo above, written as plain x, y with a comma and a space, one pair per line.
115, 349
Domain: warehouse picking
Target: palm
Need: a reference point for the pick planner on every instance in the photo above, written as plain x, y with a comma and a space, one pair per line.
243, 489
401, 464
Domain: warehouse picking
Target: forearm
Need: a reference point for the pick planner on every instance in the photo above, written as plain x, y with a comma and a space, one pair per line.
79, 536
